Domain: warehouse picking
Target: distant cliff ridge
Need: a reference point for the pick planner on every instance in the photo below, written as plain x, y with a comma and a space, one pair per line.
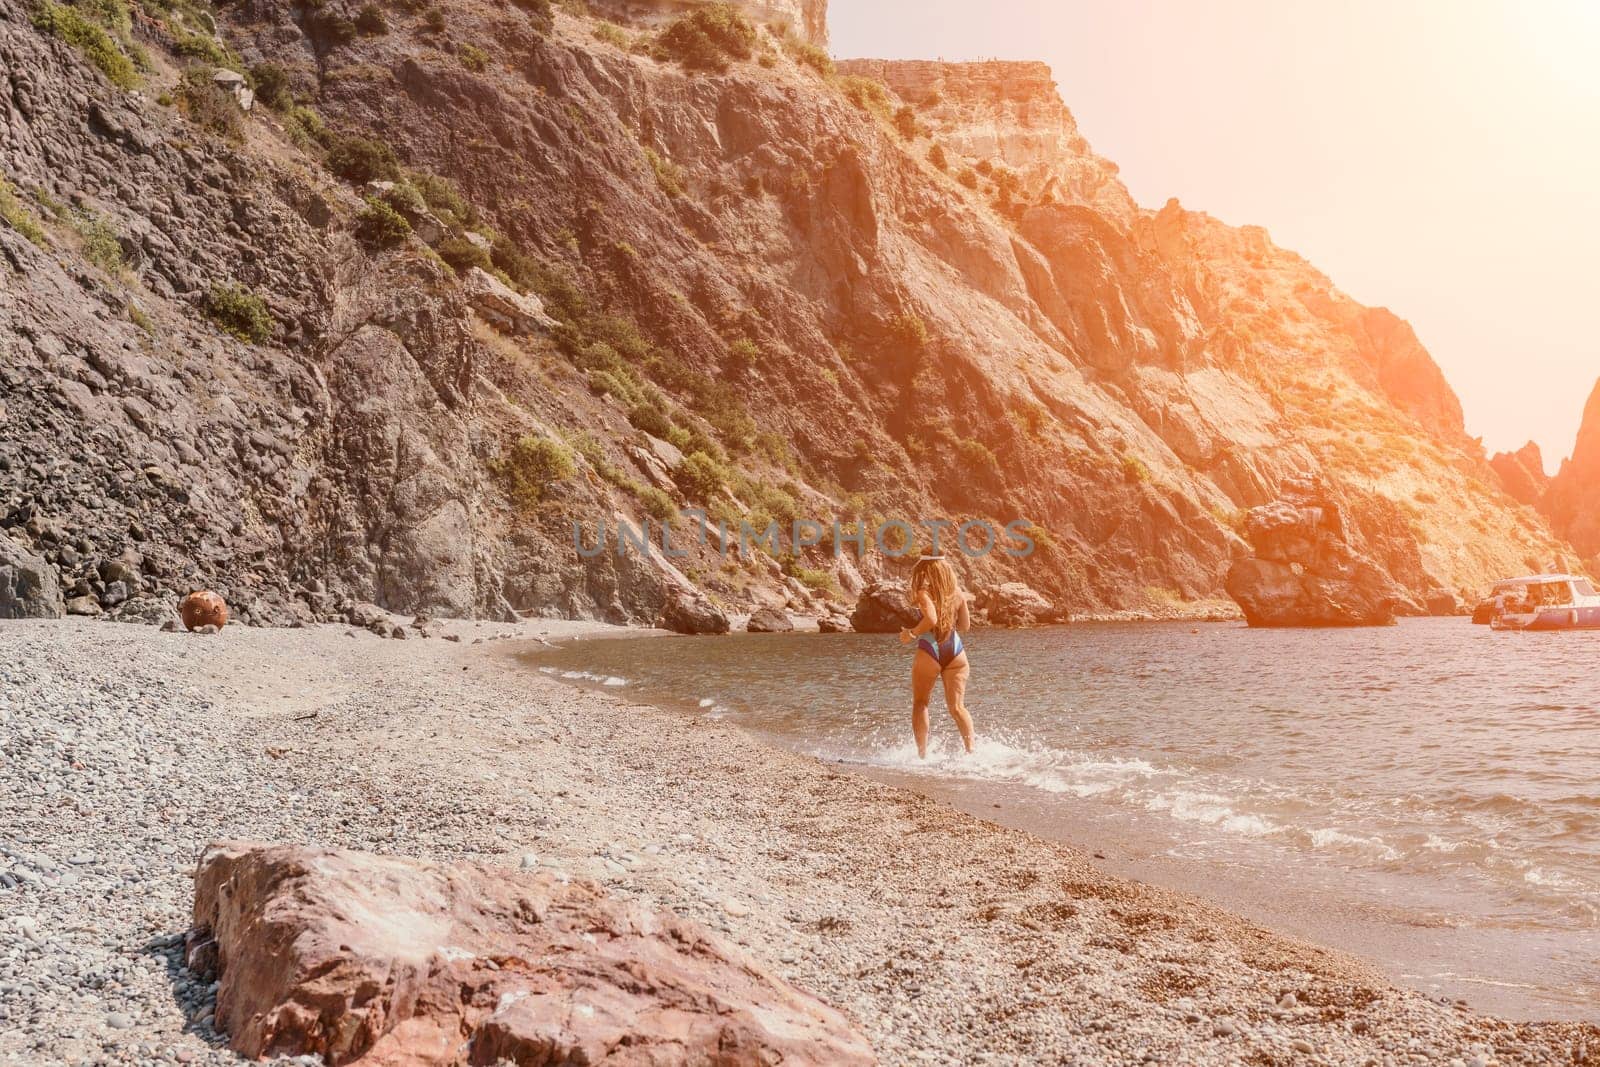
1007, 112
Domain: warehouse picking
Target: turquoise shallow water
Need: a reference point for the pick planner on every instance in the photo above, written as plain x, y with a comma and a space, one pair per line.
1442, 775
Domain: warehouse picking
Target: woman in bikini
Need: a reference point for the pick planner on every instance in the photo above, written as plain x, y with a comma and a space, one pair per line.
939, 652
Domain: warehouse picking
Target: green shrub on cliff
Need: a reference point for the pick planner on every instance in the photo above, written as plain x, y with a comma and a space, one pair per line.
204, 47
809, 55
700, 476
905, 122
240, 312
708, 38
16, 213
381, 226
462, 255
363, 159
305, 128
651, 419
101, 245
208, 105
910, 331
531, 466
79, 28
657, 505
370, 20
868, 94
474, 58
612, 34
744, 354
668, 174
271, 83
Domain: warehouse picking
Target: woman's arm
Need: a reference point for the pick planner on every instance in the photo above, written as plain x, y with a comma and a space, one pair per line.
963, 612
924, 602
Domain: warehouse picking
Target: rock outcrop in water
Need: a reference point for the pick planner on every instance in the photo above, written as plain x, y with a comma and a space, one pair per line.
1303, 571
222, 367
387, 961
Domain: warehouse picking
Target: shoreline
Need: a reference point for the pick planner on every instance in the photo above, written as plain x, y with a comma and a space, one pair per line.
1417, 944
945, 937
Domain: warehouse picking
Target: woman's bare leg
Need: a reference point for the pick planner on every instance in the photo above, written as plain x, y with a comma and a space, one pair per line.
955, 697
924, 672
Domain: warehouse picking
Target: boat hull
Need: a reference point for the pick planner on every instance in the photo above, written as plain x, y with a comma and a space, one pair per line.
1564, 618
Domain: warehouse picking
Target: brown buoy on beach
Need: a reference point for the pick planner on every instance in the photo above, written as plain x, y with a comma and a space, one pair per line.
203, 608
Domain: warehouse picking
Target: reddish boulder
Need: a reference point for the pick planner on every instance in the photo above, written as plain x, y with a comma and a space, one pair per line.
393, 961
769, 621
1305, 573
884, 607
1016, 604
203, 608
692, 612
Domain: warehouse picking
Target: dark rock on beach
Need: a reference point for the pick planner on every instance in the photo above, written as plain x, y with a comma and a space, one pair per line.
692, 613
883, 608
834, 623
769, 621
1016, 604
28, 585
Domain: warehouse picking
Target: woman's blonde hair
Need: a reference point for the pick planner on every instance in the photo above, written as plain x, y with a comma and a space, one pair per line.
935, 577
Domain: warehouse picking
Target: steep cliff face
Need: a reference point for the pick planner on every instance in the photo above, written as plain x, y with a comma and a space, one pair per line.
1246, 362
773, 302
1007, 113
1572, 500
1522, 473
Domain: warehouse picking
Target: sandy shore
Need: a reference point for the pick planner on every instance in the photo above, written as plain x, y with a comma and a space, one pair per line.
946, 938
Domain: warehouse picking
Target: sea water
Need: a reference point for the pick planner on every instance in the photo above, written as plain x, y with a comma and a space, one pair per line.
1427, 795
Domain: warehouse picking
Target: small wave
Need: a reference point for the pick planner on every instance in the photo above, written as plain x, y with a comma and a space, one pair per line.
590, 676
996, 759
1330, 838
1549, 879
1211, 809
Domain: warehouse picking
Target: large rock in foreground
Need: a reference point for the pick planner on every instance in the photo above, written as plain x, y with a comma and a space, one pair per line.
28, 585
884, 607
1304, 573
391, 961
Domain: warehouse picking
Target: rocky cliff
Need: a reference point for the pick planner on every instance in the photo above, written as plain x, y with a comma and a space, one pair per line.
1571, 499
257, 351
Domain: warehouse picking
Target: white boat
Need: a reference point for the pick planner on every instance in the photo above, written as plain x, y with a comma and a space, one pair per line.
1549, 602
1505, 589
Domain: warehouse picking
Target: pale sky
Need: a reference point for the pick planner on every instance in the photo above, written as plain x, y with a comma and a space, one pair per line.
1437, 157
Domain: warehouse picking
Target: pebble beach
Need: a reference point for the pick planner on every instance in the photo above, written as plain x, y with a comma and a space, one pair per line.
946, 939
